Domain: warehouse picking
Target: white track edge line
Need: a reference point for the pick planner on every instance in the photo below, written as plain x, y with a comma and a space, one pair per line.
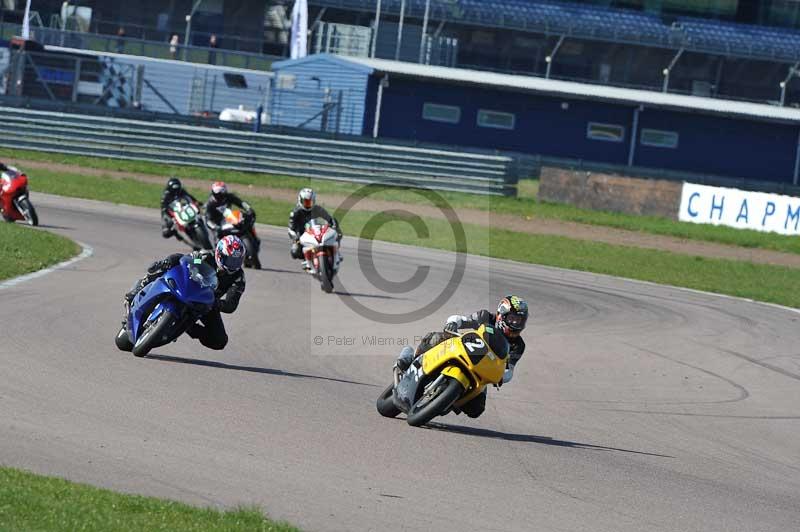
86, 252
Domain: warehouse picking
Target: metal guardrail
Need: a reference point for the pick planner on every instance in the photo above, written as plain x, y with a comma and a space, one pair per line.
339, 160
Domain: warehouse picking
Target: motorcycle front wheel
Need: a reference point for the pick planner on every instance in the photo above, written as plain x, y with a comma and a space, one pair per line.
28, 212
202, 238
325, 275
153, 335
434, 402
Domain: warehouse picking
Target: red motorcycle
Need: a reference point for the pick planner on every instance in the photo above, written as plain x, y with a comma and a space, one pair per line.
14, 201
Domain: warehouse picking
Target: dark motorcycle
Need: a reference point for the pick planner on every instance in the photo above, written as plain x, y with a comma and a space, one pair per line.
189, 224
237, 223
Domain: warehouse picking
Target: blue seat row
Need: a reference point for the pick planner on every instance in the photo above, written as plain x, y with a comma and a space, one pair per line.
589, 21
741, 38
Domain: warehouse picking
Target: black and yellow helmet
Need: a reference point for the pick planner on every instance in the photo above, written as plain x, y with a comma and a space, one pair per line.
512, 315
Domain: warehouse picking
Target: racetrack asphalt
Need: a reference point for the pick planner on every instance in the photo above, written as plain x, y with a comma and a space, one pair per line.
636, 407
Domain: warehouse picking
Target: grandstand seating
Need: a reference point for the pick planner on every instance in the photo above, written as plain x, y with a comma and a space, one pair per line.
597, 22
741, 39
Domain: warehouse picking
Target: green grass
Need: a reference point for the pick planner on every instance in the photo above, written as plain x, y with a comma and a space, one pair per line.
524, 206
761, 282
133, 192
24, 250
33, 502
528, 189
768, 283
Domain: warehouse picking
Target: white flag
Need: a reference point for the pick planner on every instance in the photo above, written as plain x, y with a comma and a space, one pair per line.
299, 29
26, 23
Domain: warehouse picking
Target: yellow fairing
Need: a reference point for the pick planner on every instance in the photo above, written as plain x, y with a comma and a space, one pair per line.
452, 358
458, 374
440, 354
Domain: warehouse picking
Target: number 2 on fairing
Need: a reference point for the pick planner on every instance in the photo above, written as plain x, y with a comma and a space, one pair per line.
478, 343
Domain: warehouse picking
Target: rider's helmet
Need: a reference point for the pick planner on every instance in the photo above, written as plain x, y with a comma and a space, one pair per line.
512, 315
174, 185
219, 190
229, 254
306, 198
10, 172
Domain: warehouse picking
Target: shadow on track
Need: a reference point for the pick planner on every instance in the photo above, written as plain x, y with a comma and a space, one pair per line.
374, 296
48, 226
277, 270
530, 438
250, 369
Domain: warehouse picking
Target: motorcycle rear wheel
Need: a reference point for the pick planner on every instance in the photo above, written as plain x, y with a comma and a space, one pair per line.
444, 396
122, 341
385, 405
251, 260
151, 337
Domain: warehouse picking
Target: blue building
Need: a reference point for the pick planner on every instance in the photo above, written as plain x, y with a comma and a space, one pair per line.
301, 85
562, 119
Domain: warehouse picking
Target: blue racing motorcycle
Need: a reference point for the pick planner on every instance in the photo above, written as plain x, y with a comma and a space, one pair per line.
167, 307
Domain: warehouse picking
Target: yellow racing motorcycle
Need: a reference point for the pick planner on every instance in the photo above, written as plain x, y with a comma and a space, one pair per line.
447, 376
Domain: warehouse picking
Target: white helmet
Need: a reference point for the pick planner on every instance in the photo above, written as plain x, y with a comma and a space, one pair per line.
306, 198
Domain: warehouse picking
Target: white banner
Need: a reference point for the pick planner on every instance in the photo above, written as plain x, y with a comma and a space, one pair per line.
299, 29
740, 209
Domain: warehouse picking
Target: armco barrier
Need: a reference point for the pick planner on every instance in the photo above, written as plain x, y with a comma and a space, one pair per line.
353, 161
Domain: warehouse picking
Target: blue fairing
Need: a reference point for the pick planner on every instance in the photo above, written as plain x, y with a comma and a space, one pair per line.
186, 288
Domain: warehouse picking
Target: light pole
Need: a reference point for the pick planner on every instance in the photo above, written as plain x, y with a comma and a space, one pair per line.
400, 30
26, 22
375, 31
783, 84
424, 30
666, 71
549, 59
189, 28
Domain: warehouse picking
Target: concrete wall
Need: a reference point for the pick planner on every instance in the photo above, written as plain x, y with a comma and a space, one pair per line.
587, 190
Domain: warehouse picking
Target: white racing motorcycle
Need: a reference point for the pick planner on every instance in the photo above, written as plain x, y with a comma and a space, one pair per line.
320, 243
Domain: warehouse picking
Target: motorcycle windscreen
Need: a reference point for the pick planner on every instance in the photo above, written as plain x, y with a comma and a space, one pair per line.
318, 228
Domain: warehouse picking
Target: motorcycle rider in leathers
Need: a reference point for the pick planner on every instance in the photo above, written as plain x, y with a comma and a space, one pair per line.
510, 318
12, 174
305, 211
219, 200
227, 260
173, 191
